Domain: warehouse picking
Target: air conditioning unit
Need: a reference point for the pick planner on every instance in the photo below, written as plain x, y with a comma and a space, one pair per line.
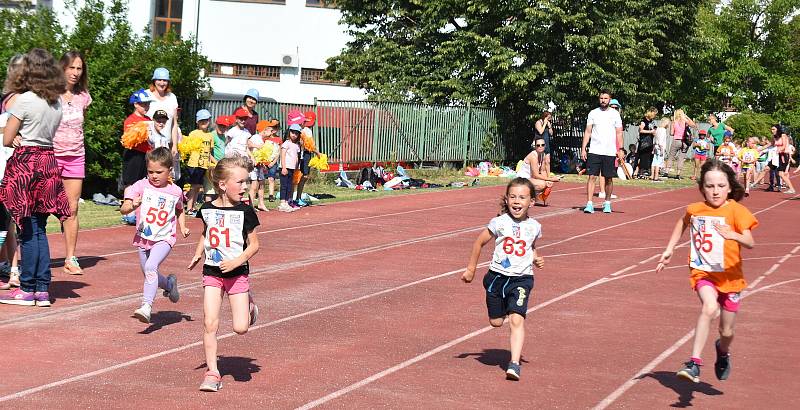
289, 60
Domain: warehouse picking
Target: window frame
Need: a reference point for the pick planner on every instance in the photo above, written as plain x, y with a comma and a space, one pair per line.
323, 4
168, 21
318, 80
247, 71
277, 2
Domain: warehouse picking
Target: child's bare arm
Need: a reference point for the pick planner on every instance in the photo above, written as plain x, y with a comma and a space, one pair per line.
482, 240
677, 232
199, 251
538, 261
182, 222
128, 205
745, 238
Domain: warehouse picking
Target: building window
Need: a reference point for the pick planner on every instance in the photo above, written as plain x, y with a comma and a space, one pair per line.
328, 4
314, 76
167, 17
258, 1
250, 71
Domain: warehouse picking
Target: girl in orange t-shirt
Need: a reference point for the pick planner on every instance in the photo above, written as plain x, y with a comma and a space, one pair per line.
719, 227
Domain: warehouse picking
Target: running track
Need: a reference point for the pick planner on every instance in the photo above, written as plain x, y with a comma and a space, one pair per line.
362, 307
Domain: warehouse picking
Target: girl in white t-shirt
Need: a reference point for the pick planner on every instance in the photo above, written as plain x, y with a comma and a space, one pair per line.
659, 149
509, 281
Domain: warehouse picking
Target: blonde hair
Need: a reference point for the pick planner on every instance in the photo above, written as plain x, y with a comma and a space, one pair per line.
222, 170
664, 122
679, 115
651, 113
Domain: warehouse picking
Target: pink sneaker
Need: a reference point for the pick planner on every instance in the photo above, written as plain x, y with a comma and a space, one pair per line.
42, 299
4, 285
18, 297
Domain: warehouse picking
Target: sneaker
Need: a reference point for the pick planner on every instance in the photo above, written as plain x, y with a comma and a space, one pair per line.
589, 208
722, 367
613, 196
191, 213
18, 297
13, 278
601, 195
129, 219
690, 371
545, 194
4, 285
790, 192
285, 208
172, 289
513, 371
212, 382
271, 198
71, 266
42, 299
143, 313
253, 312
294, 205
770, 189
607, 207
301, 203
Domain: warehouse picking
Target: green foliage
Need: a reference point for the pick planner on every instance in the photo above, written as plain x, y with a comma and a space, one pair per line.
119, 62
751, 124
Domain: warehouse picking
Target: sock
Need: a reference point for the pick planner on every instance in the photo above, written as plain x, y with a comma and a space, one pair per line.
3, 235
607, 202
698, 361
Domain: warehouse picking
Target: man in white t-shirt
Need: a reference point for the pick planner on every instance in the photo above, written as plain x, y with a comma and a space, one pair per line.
604, 128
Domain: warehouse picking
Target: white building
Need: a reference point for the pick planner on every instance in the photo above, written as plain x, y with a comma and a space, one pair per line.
277, 47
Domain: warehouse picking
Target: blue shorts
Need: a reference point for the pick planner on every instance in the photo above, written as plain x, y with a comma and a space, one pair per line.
273, 171
507, 294
195, 176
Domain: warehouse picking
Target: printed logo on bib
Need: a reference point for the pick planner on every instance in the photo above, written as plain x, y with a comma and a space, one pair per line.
707, 245
156, 215
224, 240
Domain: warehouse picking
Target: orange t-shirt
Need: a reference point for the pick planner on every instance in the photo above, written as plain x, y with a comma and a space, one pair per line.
711, 256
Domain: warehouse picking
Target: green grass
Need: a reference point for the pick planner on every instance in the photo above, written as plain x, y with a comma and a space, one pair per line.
99, 216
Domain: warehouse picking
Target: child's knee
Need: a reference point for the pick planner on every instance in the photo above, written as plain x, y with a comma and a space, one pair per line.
496, 322
516, 320
241, 329
211, 325
150, 276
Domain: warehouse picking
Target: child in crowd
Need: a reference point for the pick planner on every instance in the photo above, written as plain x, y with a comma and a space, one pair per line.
761, 164
509, 281
31, 188
228, 241
238, 136
258, 174
701, 145
199, 161
134, 165
659, 149
217, 152
290, 151
726, 152
271, 136
308, 149
720, 226
748, 157
632, 155
160, 211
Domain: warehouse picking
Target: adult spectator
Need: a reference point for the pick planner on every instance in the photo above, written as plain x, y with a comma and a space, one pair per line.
69, 150
536, 167
677, 147
604, 130
544, 129
249, 103
164, 99
781, 142
717, 131
644, 148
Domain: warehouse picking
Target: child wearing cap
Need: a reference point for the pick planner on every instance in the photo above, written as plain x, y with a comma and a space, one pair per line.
238, 136
270, 135
255, 142
223, 122
701, 148
134, 166
290, 155
199, 161
306, 142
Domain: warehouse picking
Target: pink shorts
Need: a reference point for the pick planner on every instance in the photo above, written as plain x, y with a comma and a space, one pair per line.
727, 301
72, 166
231, 286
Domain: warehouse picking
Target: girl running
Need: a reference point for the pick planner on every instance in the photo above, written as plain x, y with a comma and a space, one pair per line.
701, 146
719, 227
160, 210
509, 281
748, 157
228, 241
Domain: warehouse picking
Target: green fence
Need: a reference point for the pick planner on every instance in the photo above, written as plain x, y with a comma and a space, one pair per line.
366, 131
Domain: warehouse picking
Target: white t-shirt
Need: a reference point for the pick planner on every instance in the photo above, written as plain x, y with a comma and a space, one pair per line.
514, 245
168, 104
237, 142
604, 131
661, 138
158, 139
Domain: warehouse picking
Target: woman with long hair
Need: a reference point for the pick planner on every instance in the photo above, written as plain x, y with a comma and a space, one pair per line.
644, 148
677, 149
69, 148
780, 140
544, 129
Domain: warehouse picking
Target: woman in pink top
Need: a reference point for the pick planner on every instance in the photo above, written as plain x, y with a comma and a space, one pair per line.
69, 149
677, 148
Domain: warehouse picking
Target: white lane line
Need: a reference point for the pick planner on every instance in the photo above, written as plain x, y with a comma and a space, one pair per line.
616, 394
132, 362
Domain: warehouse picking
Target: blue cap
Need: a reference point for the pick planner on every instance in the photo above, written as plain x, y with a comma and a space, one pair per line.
161, 73
295, 127
252, 93
615, 102
203, 114
141, 96
727, 134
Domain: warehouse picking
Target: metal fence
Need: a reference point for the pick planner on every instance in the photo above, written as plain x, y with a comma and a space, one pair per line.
368, 131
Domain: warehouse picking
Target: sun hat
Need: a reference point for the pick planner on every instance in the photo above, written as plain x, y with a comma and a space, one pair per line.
614, 102
241, 112
141, 96
295, 127
161, 73
295, 117
263, 124
252, 93
202, 115
311, 118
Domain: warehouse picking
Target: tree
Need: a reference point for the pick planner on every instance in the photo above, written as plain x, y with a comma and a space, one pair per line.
516, 55
119, 62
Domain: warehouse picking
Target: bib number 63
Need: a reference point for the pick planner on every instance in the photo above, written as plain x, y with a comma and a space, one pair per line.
512, 246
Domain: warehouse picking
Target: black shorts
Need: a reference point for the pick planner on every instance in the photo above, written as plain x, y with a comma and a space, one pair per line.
194, 176
507, 294
783, 163
303, 164
601, 165
134, 166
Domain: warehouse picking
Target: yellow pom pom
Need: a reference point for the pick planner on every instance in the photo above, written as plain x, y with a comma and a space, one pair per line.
267, 153
319, 162
188, 145
135, 135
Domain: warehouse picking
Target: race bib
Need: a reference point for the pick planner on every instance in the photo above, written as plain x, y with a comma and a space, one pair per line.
224, 240
707, 245
156, 215
748, 157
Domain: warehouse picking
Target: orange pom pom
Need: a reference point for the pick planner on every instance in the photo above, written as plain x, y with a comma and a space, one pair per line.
135, 135
296, 177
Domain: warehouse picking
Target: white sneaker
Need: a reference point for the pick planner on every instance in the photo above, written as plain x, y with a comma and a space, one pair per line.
601, 194
613, 196
143, 313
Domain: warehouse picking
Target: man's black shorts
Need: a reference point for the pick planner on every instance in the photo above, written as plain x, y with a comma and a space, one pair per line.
507, 294
303, 165
601, 165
